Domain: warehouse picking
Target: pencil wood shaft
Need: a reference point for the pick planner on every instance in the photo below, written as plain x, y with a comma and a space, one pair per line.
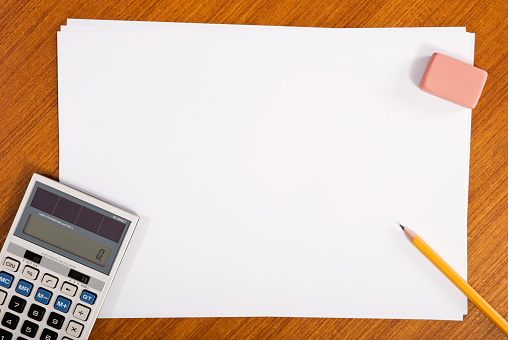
453, 276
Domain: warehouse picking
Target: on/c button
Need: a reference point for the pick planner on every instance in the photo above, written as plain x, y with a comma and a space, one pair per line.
11, 264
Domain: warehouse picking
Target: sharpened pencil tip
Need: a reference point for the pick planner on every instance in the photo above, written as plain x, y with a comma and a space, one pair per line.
401, 226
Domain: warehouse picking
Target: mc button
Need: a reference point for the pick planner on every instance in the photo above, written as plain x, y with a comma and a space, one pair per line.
6, 279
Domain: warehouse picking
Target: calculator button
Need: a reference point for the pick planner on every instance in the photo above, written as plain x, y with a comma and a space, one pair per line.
6, 279
62, 304
48, 335
81, 312
30, 272
55, 320
69, 288
49, 280
74, 329
3, 295
24, 287
11, 264
29, 328
17, 304
4, 335
10, 320
43, 296
88, 297
32, 256
36, 312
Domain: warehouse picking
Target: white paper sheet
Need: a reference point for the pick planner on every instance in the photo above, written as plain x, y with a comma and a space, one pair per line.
269, 166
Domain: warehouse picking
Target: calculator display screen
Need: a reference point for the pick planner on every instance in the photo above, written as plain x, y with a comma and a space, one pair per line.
72, 227
67, 240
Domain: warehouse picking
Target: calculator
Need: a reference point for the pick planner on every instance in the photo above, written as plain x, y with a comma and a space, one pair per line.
58, 262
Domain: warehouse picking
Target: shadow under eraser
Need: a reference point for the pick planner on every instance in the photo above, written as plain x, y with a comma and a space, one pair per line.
453, 80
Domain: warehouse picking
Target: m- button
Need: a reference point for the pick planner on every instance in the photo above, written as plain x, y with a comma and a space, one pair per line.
11, 264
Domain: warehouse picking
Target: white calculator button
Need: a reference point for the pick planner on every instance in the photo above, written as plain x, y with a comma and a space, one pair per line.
69, 288
2, 297
81, 312
74, 329
11, 264
30, 272
49, 280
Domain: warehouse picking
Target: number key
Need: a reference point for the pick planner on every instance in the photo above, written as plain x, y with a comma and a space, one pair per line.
48, 335
17, 304
4, 335
55, 320
36, 312
10, 320
29, 328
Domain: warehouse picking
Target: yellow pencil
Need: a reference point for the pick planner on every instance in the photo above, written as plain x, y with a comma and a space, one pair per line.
452, 275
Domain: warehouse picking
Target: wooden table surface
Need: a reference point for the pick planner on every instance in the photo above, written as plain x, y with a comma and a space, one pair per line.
29, 140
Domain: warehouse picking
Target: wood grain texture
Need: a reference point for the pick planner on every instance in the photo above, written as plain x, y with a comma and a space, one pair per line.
29, 141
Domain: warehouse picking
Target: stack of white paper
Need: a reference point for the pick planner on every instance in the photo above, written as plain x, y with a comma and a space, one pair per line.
270, 166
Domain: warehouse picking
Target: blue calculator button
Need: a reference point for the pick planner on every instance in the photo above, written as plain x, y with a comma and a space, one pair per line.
88, 297
62, 304
24, 288
6, 279
43, 296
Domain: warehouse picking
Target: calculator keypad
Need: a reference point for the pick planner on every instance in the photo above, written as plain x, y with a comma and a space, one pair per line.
38, 305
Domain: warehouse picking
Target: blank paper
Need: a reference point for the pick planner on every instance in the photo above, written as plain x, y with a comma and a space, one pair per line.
270, 166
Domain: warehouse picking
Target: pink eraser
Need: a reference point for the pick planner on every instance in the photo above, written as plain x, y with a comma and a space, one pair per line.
453, 80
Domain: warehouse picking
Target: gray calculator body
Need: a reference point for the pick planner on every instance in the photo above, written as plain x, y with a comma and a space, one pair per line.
58, 262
